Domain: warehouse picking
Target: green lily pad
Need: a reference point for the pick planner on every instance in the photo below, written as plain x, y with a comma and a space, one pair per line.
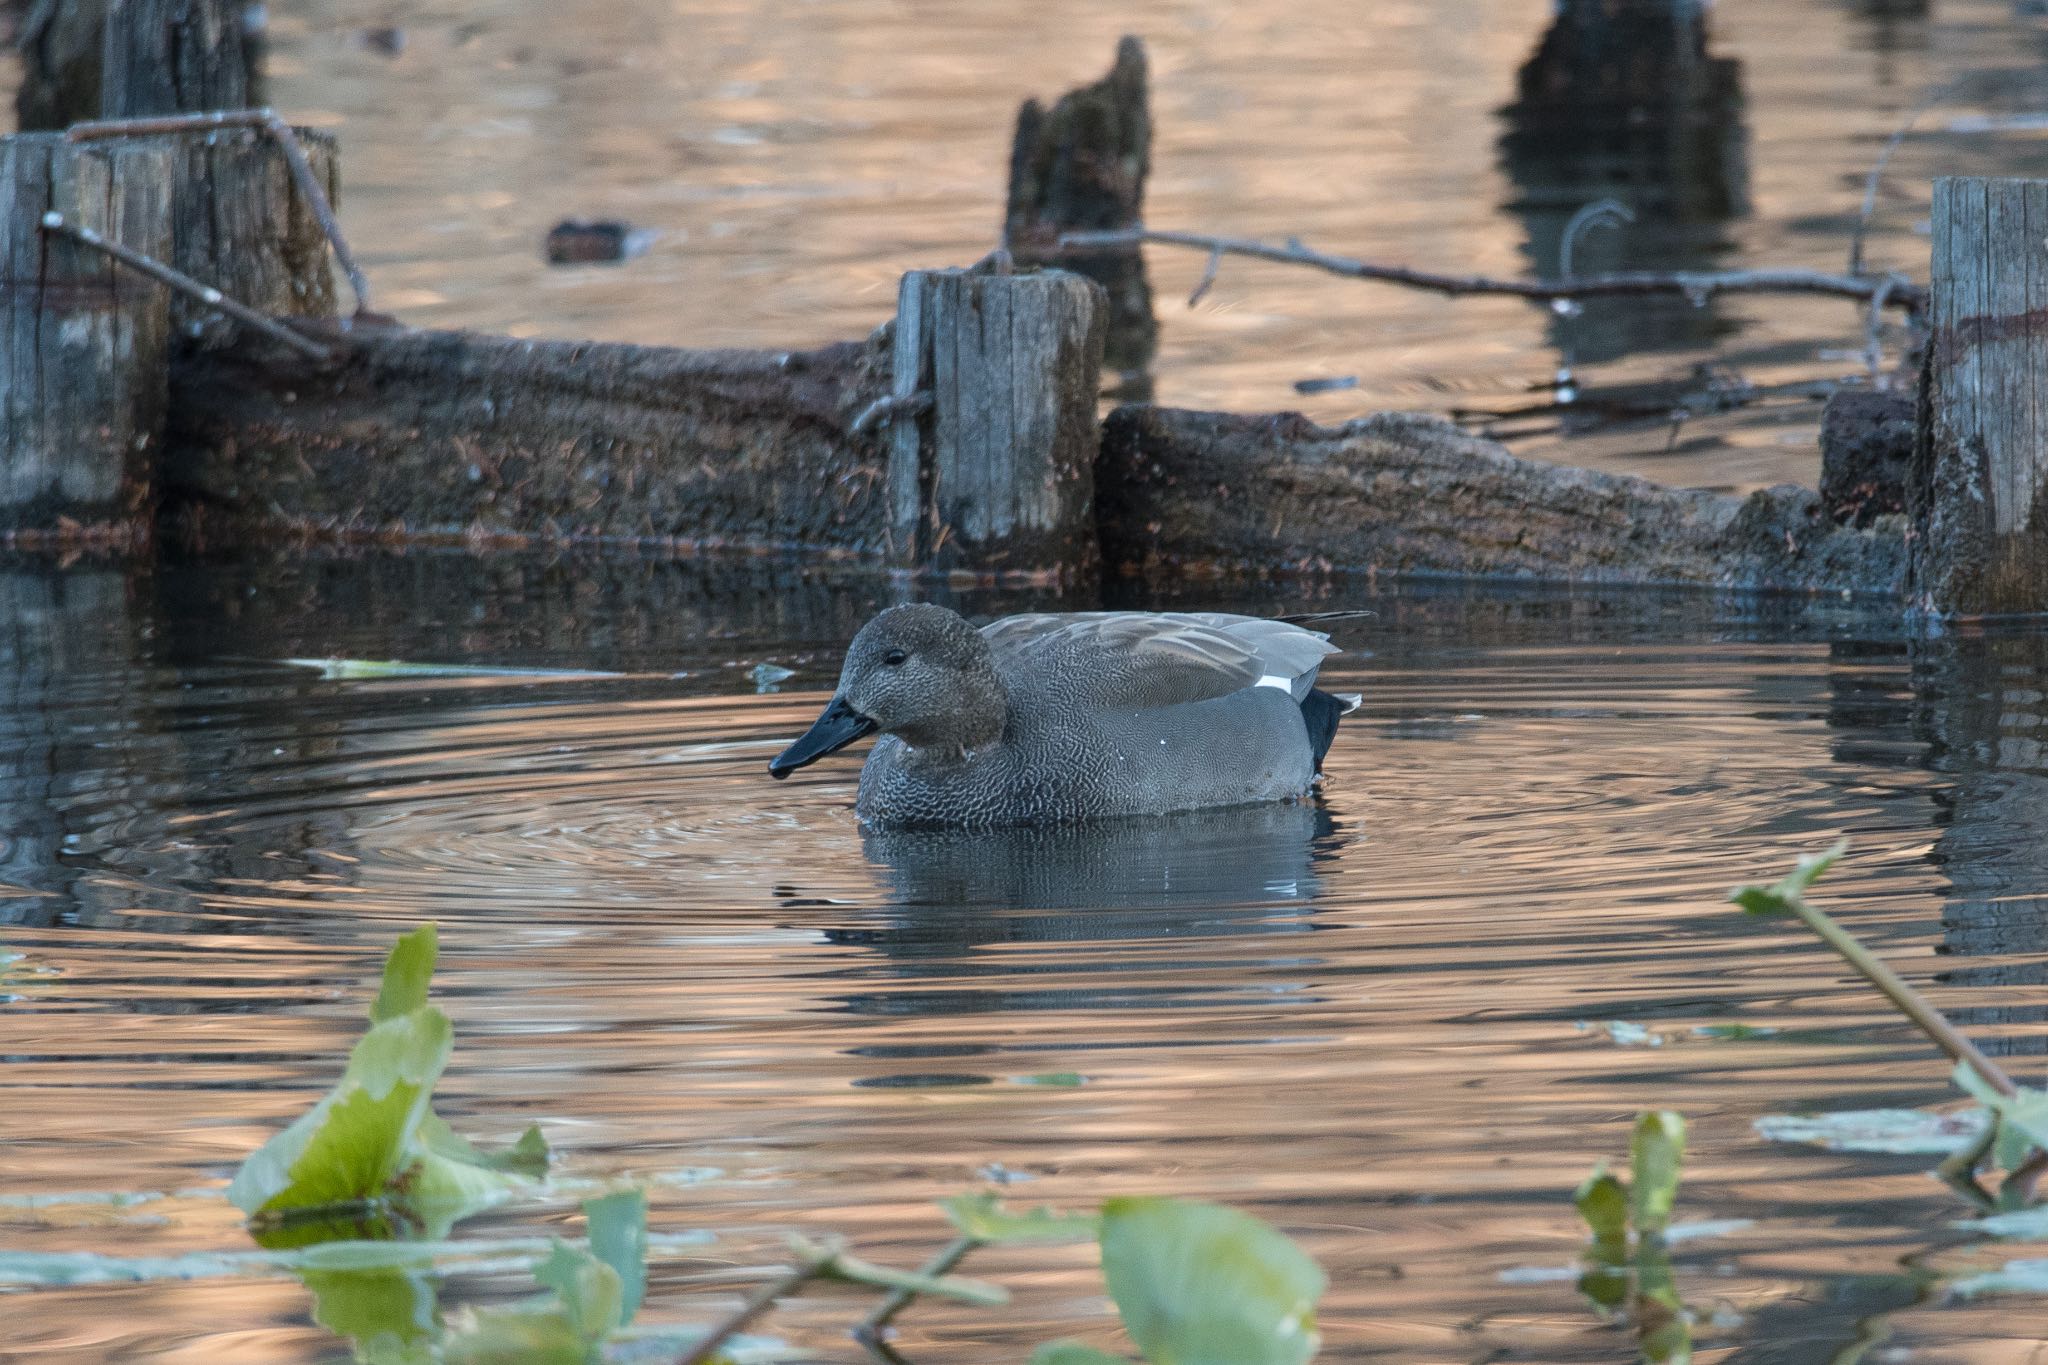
1200, 1284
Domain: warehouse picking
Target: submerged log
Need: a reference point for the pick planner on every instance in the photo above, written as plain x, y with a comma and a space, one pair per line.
1409, 495
996, 474
83, 344
455, 438
1979, 547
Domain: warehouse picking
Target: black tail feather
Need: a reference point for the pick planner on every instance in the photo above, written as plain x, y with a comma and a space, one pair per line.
1321, 711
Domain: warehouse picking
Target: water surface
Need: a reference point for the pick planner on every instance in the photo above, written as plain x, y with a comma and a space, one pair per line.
1375, 1021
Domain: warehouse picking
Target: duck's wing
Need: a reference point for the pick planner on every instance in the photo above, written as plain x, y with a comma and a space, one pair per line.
1140, 658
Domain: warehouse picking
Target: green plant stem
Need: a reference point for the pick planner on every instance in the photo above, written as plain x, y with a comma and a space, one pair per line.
757, 1303
948, 1257
1909, 1001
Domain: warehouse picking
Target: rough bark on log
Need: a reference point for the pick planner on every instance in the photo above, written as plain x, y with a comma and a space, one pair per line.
1411, 495
82, 343
1979, 548
997, 474
439, 437
1866, 453
1082, 166
177, 57
240, 224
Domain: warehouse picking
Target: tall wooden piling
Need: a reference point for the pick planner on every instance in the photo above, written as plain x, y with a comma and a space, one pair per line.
996, 474
83, 346
1980, 536
1082, 165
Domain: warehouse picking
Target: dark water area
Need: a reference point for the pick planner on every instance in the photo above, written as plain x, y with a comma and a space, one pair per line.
1379, 1021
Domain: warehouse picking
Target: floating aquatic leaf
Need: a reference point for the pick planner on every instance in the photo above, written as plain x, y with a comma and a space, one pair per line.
1698, 1229
618, 1237
2022, 1118
2028, 1224
1603, 1203
1053, 1078
408, 968
353, 1144
1656, 1157
1780, 896
1200, 1284
371, 1150
984, 1218
2014, 1277
369, 670
1073, 1353
1735, 1032
1902, 1131
501, 1336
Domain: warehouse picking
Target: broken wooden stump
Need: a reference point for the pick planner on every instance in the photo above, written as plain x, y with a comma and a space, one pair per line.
1215, 493
83, 344
179, 57
1081, 165
996, 474
240, 223
491, 442
1979, 548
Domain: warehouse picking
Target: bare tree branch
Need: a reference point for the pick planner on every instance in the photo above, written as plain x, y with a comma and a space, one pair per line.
185, 284
1695, 285
287, 140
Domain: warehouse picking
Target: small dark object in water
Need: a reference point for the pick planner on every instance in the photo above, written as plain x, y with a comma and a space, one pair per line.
1348, 381
388, 40
1866, 448
578, 241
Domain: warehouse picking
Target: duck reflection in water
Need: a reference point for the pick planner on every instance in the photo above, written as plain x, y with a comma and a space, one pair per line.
1244, 870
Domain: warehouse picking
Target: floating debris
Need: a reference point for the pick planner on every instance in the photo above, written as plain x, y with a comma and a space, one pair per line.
1331, 385
770, 677
361, 670
578, 241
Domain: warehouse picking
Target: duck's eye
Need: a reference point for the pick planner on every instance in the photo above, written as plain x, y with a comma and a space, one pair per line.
894, 657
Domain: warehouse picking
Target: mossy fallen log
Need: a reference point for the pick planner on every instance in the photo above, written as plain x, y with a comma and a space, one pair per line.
457, 438
1217, 493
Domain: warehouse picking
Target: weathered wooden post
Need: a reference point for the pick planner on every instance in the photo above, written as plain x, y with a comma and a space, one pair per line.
1978, 547
83, 345
996, 474
1081, 165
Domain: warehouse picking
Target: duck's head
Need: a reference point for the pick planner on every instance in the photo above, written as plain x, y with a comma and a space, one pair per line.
918, 672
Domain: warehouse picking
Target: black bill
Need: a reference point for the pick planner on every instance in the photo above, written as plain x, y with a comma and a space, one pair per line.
840, 726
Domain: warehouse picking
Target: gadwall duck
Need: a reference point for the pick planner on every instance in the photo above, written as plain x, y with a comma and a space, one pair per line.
1057, 717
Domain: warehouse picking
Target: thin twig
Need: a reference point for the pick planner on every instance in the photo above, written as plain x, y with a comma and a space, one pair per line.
888, 408
287, 139
1873, 334
1876, 176
948, 1257
1909, 1002
1694, 285
1599, 213
755, 1304
185, 284
1208, 280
